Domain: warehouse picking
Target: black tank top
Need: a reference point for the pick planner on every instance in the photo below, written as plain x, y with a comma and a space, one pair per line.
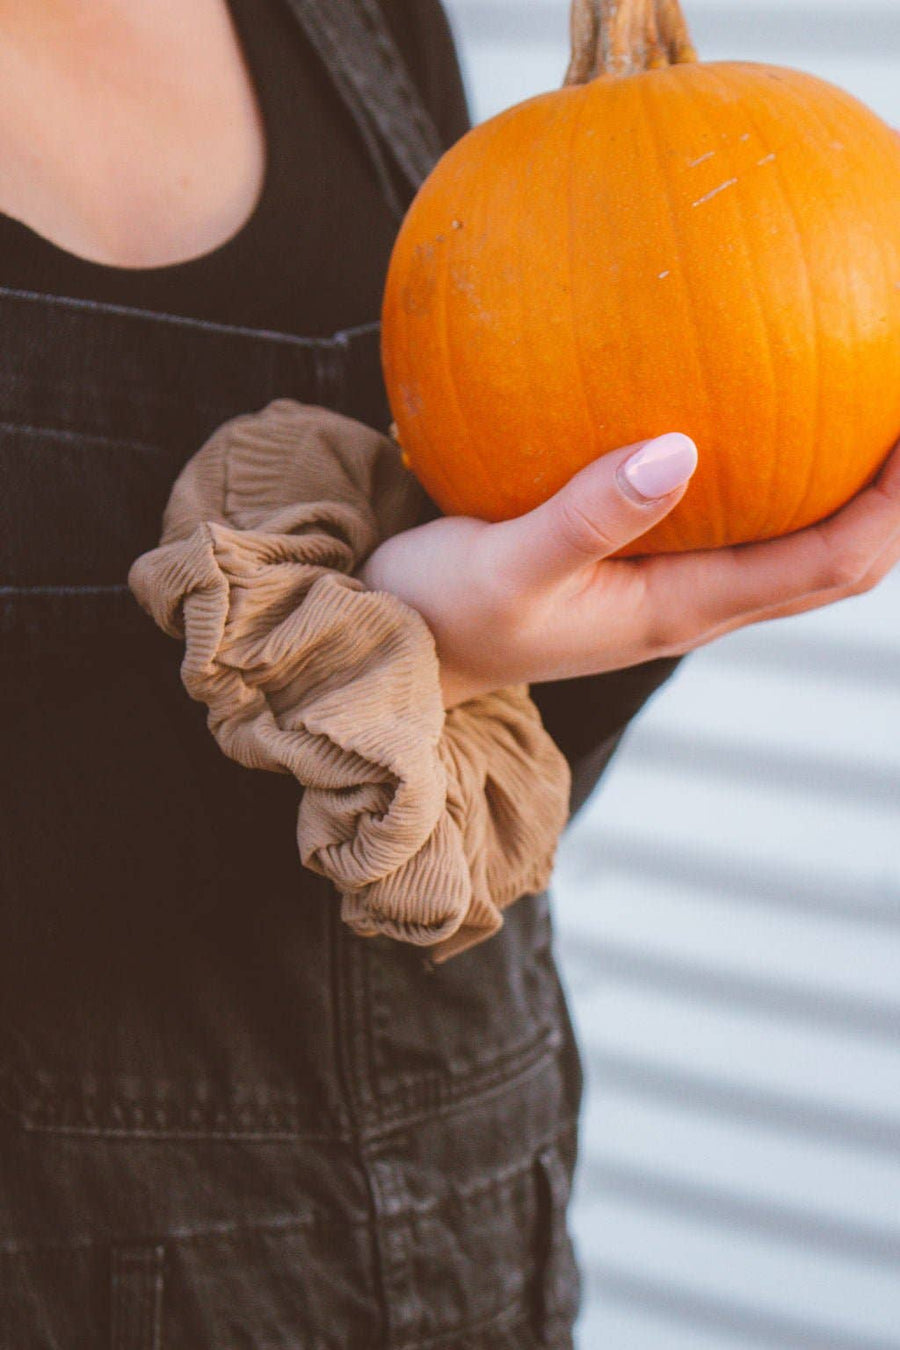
311, 257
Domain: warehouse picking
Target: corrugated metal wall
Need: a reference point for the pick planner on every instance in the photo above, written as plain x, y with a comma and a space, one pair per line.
729, 903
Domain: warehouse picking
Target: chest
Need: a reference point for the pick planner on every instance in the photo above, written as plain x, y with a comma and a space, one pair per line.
132, 140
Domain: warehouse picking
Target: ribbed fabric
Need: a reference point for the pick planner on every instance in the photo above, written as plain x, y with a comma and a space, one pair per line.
428, 823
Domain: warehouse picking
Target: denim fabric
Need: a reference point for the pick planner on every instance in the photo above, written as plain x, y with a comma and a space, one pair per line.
226, 1122
356, 45
224, 1119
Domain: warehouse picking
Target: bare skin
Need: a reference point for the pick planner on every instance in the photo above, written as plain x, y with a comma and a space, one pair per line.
130, 135
541, 598
129, 132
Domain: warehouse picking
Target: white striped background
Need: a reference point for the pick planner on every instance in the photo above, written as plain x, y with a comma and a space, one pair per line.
728, 904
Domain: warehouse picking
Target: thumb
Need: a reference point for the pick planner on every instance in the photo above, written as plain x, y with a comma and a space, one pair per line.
613, 500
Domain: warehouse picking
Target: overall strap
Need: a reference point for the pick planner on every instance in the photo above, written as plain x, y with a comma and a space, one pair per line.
353, 40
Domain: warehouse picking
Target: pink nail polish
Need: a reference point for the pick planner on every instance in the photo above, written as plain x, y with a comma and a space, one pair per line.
661, 465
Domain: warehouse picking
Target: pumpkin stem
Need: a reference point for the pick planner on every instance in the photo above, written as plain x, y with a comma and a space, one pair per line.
622, 37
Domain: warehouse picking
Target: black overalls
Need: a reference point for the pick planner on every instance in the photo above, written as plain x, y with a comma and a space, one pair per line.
226, 1123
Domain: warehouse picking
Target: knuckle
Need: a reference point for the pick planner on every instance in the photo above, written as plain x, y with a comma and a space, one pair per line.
580, 532
666, 633
848, 571
887, 489
669, 639
868, 582
658, 637
840, 566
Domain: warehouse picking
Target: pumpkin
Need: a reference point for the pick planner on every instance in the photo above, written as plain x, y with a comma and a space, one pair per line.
660, 245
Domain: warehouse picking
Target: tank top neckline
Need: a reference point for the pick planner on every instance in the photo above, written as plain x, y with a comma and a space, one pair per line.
240, 239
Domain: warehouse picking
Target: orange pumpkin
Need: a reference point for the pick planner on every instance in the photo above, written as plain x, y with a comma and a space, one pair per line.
669, 246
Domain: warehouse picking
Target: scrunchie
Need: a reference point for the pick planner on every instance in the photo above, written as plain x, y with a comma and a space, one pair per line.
428, 823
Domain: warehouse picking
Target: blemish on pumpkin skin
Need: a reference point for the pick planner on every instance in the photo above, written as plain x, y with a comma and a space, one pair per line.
767, 159
715, 192
411, 400
702, 160
662, 276
417, 295
424, 253
464, 281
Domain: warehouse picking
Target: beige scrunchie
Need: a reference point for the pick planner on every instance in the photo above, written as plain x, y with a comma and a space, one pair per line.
428, 823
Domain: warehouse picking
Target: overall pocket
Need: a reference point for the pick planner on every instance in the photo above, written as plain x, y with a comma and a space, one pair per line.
158, 934
475, 1250
437, 1034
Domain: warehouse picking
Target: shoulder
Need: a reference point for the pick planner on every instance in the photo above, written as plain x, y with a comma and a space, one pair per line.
423, 34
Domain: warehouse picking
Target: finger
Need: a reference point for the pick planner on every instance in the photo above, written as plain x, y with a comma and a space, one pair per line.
733, 586
604, 507
885, 563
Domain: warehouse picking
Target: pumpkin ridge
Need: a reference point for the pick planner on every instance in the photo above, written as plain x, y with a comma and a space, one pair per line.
817, 111
789, 522
577, 343
525, 314
800, 516
772, 490
473, 443
669, 525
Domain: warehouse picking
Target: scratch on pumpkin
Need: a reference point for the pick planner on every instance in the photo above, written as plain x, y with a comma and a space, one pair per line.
694, 162
715, 192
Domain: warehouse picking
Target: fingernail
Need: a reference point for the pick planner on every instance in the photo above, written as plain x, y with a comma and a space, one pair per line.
660, 466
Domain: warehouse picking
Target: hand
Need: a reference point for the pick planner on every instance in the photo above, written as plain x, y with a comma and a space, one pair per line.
540, 597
